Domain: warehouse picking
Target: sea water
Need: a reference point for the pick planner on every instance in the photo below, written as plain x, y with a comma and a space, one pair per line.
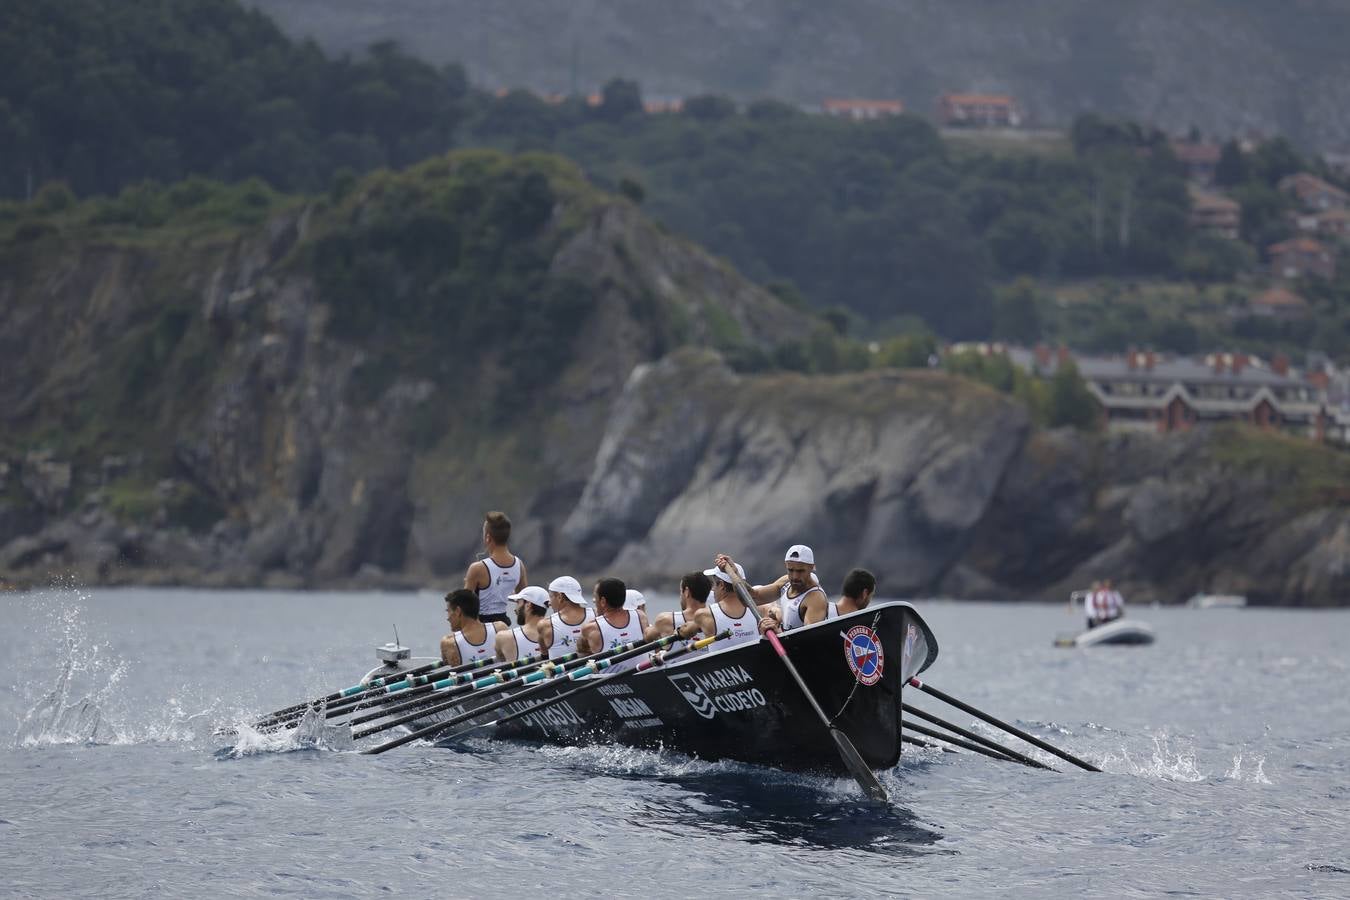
1225, 745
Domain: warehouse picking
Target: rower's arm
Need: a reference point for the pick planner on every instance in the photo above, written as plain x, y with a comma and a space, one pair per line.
815, 606
450, 650
524, 577
590, 639
664, 625
767, 592
476, 576
545, 633
706, 621
506, 646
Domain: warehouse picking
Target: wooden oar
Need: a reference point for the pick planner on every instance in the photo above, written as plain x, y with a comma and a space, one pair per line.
853, 761
970, 735
973, 747
909, 739
590, 684
601, 662
1011, 729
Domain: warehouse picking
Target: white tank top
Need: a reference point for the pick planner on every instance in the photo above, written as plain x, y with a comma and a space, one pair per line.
790, 609
501, 583
743, 630
473, 652
565, 636
831, 610
524, 646
612, 636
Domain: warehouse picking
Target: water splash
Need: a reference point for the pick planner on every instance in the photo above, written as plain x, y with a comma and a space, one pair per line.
311, 733
1256, 775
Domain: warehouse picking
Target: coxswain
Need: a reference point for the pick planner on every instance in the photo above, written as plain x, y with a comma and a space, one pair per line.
782, 599
694, 590
560, 633
725, 611
523, 640
613, 625
497, 575
471, 638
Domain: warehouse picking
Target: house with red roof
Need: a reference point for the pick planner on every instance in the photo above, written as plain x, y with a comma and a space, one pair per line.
1301, 257
1278, 303
1313, 193
978, 111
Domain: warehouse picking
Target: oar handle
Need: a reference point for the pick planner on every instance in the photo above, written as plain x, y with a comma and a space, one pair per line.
1011, 729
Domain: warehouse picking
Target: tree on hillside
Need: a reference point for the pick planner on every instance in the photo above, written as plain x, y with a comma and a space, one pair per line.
1071, 403
1232, 167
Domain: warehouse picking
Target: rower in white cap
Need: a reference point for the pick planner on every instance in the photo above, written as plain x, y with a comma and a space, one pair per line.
781, 600
560, 632
523, 640
725, 611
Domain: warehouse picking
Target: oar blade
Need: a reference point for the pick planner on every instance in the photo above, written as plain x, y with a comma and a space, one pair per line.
861, 772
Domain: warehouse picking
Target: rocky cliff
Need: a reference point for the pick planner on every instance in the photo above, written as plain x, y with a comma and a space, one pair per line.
941, 487
335, 395
185, 404
1226, 66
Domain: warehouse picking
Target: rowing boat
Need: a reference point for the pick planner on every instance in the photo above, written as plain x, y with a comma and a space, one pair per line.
738, 703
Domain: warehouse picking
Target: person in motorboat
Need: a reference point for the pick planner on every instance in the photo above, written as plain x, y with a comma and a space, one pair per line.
694, 590
471, 638
1112, 604
499, 573
560, 633
523, 640
724, 610
783, 597
1092, 602
613, 625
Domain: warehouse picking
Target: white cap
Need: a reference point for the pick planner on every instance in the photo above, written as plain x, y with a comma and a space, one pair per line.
633, 599
800, 553
570, 588
715, 572
534, 594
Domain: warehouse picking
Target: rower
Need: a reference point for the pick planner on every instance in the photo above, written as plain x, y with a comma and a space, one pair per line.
472, 638
497, 575
560, 633
613, 625
859, 585
523, 640
782, 599
725, 611
694, 590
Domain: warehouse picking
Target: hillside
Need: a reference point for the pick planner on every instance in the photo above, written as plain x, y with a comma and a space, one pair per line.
252, 388
1225, 67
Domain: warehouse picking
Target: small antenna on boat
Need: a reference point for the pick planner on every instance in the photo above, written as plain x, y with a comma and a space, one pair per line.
397, 642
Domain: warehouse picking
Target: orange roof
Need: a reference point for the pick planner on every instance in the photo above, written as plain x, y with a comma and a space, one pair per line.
838, 105
978, 99
1205, 200
1298, 245
1279, 296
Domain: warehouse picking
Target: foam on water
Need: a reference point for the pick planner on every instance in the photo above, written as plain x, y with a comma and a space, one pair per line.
312, 733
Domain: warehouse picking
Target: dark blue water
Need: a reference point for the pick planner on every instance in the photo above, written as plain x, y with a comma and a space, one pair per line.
1226, 747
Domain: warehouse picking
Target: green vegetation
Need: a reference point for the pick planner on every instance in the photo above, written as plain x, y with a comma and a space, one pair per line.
103, 95
1311, 475
1063, 400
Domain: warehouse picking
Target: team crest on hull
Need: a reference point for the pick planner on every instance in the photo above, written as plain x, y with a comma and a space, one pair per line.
866, 659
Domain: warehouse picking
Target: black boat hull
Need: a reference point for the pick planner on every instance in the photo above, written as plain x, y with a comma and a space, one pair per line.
740, 703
